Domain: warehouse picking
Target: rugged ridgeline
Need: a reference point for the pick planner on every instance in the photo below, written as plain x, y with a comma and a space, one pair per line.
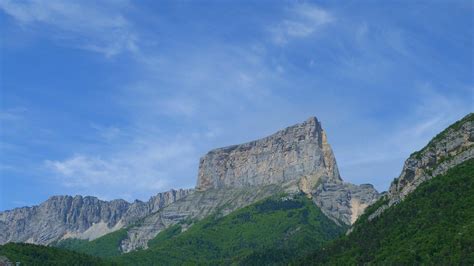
295, 159
427, 217
449, 148
63, 217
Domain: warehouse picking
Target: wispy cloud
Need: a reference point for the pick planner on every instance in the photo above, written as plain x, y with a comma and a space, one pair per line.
190, 83
178, 85
98, 26
140, 168
303, 20
389, 145
12, 114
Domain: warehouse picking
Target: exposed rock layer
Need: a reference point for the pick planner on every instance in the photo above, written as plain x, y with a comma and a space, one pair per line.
80, 217
449, 148
344, 202
289, 154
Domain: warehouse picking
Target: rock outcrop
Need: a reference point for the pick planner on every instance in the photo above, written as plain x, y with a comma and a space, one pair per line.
289, 154
344, 202
80, 217
449, 148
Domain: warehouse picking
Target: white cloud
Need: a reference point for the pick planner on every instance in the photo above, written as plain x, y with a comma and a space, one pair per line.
141, 168
90, 25
303, 21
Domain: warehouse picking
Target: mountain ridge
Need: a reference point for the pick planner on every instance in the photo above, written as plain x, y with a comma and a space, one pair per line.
447, 149
292, 160
431, 223
230, 180
84, 217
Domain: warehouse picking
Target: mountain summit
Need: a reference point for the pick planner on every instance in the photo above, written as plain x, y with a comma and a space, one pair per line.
299, 151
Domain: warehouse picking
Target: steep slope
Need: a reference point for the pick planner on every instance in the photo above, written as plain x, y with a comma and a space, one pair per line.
427, 216
194, 207
433, 225
288, 225
288, 155
449, 148
63, 217
29, 254
104, 246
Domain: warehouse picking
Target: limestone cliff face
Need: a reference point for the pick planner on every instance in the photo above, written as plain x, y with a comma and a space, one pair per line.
80, 217
297, 151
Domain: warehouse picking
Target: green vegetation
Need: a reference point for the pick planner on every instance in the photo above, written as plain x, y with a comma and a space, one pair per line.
434, 225
29, 254
454, 127
273, 230
106, 246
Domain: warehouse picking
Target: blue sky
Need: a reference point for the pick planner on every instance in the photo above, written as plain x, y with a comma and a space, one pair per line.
119, 99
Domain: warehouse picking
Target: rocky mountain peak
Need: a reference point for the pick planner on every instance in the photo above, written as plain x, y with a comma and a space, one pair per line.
297, 151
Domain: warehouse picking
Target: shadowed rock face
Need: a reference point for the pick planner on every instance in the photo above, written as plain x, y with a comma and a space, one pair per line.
344, 202
81, 217
297, 151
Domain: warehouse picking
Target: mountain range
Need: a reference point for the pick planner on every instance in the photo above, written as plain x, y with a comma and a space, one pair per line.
276, 200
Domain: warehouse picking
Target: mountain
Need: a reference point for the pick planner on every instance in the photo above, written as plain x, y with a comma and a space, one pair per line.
63, 217
299, 214
426, 218
286, 156
449, 148
433, 225
288, 224
297, 159
294, 159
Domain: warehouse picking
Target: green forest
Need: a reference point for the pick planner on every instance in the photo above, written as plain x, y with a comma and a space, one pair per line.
434, 225
29, 254
273, 230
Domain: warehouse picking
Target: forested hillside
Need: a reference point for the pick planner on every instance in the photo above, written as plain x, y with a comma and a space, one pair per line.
433, 225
